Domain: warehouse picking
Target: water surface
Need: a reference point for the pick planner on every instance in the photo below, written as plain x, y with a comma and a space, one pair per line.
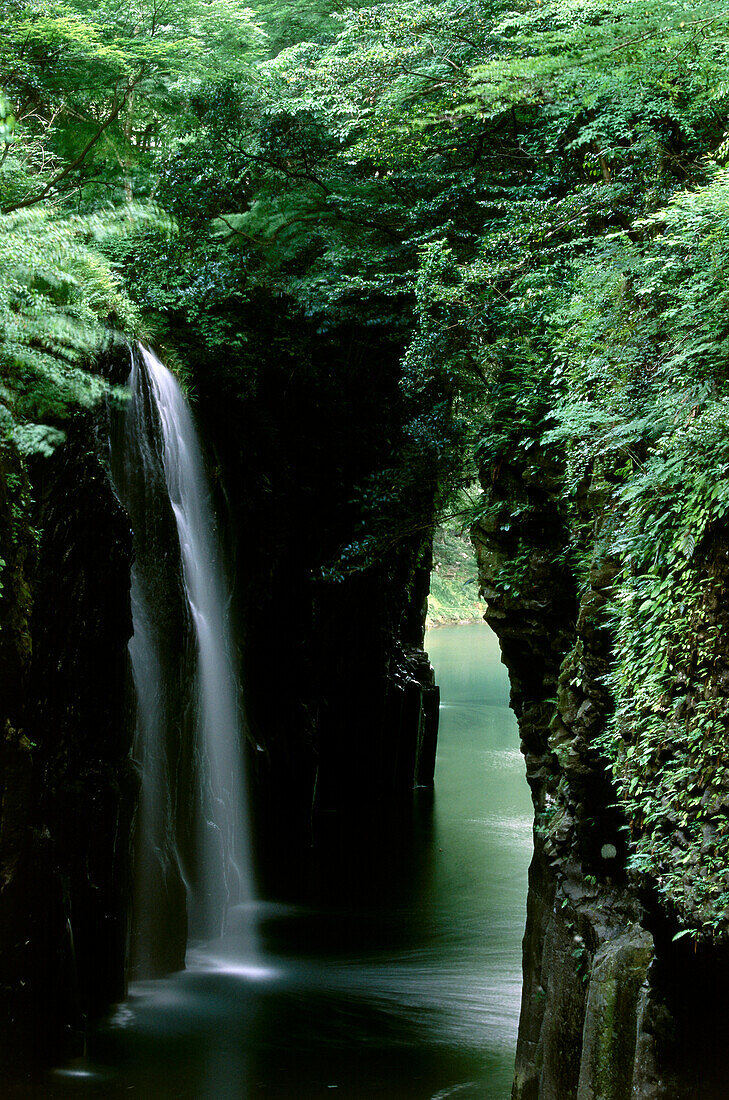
398, 976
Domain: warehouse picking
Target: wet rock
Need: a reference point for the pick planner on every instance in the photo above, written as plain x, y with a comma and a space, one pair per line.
612, 1008
613, 1017
69, 789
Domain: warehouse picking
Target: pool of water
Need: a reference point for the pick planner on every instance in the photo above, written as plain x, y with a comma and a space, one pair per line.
398, 976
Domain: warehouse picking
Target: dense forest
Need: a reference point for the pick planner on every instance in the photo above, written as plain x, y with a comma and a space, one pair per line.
390, 251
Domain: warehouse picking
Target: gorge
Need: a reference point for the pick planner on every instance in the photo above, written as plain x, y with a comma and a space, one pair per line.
391, 277
387, 979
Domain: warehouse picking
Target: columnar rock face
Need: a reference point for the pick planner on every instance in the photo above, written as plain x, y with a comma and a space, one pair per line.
17, 554
78, 706
612, 1008
340, 699
68, 783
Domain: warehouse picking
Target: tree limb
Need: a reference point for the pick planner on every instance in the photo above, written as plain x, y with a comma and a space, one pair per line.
34, 199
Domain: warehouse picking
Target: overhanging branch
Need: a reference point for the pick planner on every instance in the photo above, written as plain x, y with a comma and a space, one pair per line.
78, 160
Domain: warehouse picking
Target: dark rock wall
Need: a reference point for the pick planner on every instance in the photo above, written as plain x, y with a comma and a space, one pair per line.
17, 553
67, 781
78, 704
340, 700
342, 708
612, 1007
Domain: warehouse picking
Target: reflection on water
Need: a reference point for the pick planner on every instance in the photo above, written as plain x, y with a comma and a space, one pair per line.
398, 976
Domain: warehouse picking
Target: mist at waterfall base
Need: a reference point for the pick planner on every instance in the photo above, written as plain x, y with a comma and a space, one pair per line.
398, 976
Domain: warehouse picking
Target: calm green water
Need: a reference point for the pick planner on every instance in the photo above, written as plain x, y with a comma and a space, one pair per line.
398, 976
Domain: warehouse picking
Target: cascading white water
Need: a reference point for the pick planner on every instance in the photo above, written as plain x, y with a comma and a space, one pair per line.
192, 820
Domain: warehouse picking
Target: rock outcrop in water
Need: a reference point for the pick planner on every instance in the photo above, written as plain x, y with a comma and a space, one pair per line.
613, 1006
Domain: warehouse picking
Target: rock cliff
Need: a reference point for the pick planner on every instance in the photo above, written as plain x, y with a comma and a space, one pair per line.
68, 784
614, 1007
341, 705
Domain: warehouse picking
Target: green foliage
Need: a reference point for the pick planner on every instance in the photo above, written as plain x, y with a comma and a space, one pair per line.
7, 122
314, 205
603, 328
453, 580
524, 209
294, 21
92, 93
99, 88
60, 305
645, 417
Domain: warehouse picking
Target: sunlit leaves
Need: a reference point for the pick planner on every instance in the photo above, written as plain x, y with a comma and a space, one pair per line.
60, 304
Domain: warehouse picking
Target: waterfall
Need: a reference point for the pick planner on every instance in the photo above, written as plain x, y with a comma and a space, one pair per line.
191, 834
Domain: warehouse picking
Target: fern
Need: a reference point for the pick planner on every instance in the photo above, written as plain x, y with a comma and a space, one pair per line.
61, 302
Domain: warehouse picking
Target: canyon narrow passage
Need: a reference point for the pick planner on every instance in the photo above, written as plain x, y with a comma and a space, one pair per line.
398, 975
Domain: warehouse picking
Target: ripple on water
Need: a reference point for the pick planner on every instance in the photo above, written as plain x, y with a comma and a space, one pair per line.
515, 830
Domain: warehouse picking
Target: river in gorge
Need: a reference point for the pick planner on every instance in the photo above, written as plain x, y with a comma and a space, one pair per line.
398, 976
